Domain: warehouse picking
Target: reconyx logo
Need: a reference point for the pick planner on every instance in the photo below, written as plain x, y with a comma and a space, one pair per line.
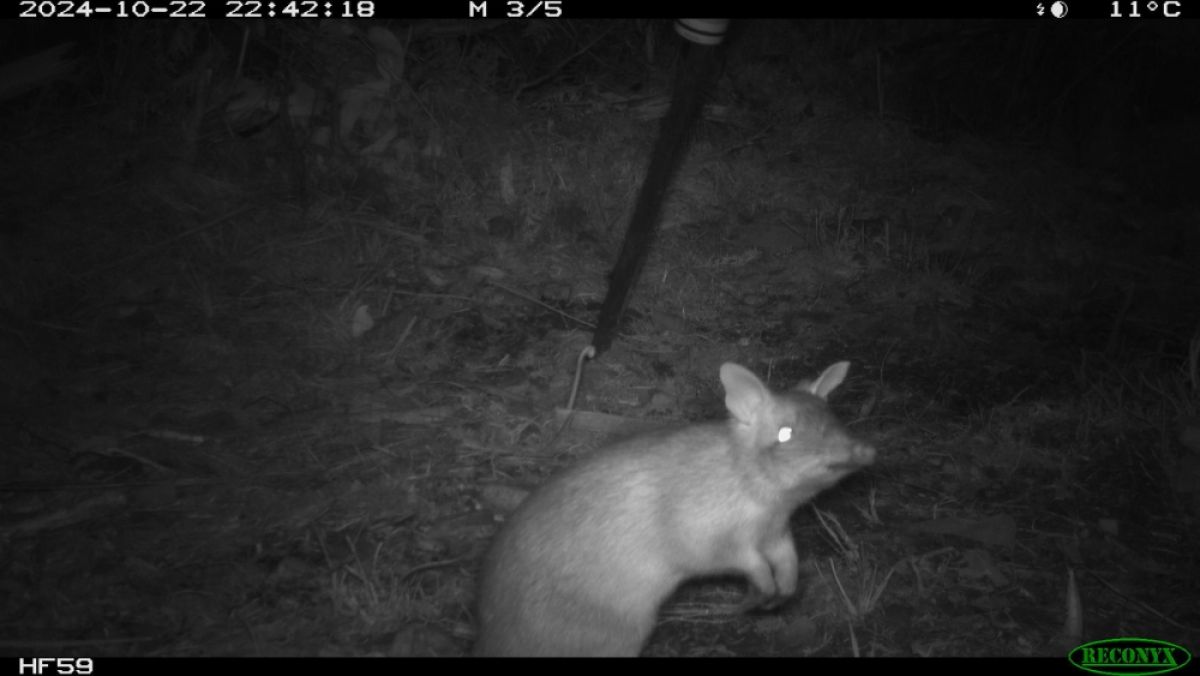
1129, 657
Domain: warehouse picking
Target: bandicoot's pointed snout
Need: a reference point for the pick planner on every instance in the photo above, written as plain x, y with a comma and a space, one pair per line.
863, 454
858, 455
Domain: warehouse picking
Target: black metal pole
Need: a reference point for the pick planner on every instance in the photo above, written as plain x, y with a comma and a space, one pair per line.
692, 85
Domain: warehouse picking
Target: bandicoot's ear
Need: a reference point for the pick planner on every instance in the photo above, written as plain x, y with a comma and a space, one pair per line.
745, 394
827, 381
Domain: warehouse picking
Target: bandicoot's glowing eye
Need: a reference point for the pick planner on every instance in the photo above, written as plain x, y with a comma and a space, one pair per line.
784, 435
